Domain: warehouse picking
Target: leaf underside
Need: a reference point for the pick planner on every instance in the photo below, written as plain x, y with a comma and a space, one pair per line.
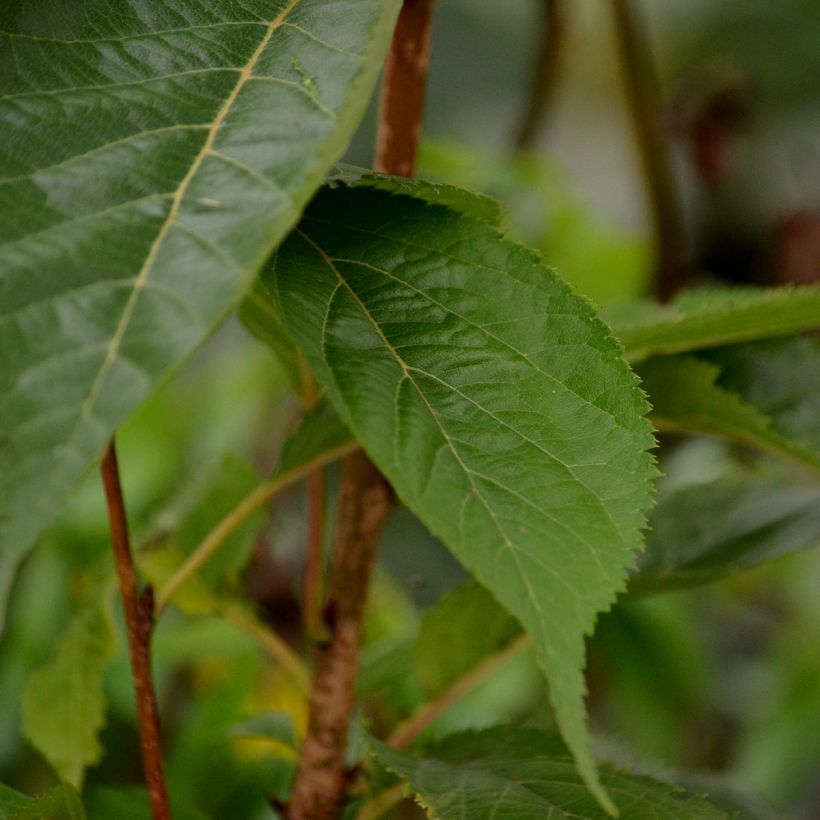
508, 773
493, 400
152, 154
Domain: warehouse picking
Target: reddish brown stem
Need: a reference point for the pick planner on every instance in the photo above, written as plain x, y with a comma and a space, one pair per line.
642, 89
314, 561
402, 102
545, 72
364, 502
139, 621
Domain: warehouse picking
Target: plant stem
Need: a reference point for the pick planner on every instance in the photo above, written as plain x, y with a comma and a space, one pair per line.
364, 503
139, 620
642, 89
428, 713
271, 643
402, 101
237, 516
314, 561
545, 73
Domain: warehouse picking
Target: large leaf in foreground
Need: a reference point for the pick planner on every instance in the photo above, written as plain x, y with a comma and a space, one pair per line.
709, 318
151, 157
507, 773
57, 803
491, 397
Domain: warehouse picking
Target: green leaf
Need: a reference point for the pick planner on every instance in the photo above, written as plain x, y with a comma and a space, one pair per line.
320, 432
700, 532
470, 203
64, 703
491, 397
271, 725
508, 773
151, 157
709, 318
686, 398
58, 803
457, 634
781, 378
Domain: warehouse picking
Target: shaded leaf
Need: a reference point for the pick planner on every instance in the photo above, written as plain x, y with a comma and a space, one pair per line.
686, 398
320, 432
781, 378
64, 703
142, 185
58, 803
493, 400
470, 203
466, 626
700, 532
508, 773
710, 318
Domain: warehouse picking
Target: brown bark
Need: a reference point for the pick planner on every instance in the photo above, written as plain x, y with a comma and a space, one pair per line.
402, 102
139, 620
364, 503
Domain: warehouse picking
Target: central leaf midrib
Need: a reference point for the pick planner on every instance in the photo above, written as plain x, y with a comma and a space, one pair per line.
142, 276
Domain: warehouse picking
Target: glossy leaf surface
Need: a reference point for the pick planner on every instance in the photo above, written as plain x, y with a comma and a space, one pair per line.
491, 397
152, 154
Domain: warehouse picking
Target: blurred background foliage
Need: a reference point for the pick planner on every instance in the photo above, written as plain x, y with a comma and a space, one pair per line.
722, 679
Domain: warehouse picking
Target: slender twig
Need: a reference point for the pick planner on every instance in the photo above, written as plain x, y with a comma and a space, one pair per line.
271, 643
642, 89
428, 713
237, 516
139, 620
385, 800
552, 34
403, 90
364, 502
314, 560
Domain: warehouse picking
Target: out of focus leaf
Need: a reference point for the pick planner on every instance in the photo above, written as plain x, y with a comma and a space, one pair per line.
519, 774
710, 318
466, 626
321, 432
686, 398
64, 704
704, 531
781, 378
59, 803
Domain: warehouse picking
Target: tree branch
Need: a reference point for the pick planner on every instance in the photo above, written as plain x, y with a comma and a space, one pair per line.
402, 102
139, 620
364, 503
315, 558
642, 89
545, 72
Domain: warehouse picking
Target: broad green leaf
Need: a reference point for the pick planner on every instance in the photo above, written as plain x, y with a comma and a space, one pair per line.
491, 397
151, 157
508, 773
64, 703
58, 803
269, 725
710, 318
470, 203
781, 378
700, 532
457, 634
686, 398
